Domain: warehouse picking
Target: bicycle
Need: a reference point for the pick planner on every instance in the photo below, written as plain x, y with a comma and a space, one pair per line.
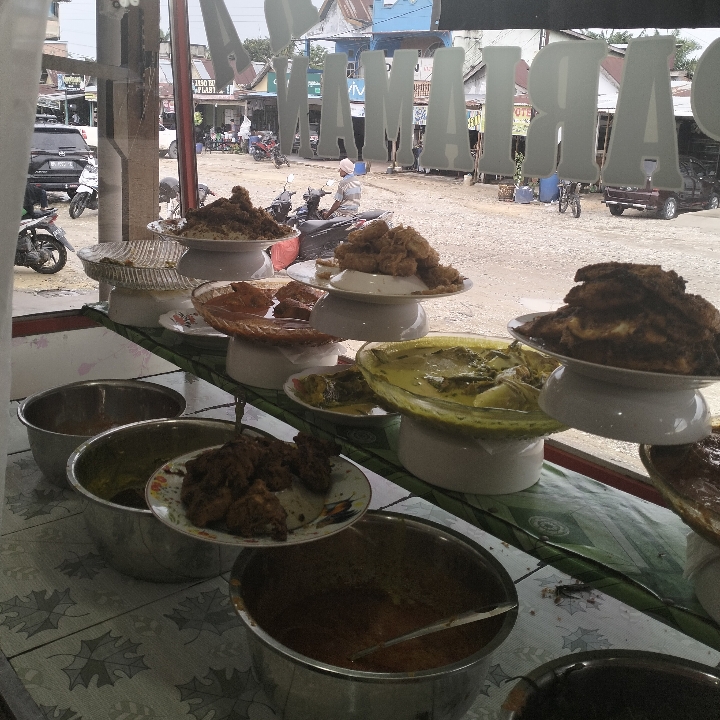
569, 195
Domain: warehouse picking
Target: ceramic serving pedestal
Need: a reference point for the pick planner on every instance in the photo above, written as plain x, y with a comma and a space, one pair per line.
269, 366
143, 308
466, 464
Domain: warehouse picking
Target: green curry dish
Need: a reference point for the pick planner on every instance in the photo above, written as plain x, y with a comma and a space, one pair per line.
482, 387
331, 391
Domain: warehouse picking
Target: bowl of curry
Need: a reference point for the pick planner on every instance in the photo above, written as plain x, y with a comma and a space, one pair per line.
308, 609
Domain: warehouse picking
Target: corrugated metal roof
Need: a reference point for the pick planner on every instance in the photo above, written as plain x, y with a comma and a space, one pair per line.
356, 10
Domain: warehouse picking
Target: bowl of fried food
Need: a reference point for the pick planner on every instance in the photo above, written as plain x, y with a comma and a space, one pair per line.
634, 349
688, 478
339, 394
274, 311
258, 491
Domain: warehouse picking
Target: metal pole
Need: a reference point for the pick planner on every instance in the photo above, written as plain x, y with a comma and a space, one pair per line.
67, 118
182, 92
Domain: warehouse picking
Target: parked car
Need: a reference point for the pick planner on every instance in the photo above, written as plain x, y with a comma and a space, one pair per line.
58, 155
700, 191
167, 139
314, 139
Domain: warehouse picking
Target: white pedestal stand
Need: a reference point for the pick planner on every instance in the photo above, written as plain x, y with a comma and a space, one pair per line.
269, 366
469, 465
143, 308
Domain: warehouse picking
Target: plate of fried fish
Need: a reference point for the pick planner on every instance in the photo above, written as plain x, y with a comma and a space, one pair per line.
383, 265
340, 394
631, 325
257, 491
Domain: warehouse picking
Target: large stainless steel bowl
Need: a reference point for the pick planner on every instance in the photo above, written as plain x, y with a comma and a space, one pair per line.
60, 419
612, 684
134, 541
385, 548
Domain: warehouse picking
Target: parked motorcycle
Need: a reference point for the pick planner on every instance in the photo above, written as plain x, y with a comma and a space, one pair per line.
42, 245
169, 194
282, 205
263, 149
86, 195
278, 158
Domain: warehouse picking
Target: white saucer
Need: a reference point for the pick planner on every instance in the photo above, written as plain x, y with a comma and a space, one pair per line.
269, 366
377, 417
305, 272
193, 329
167, 231
349, 318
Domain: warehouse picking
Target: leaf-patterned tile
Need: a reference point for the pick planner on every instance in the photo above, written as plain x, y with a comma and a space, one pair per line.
180, 657
516, 562
54, 582
30, 499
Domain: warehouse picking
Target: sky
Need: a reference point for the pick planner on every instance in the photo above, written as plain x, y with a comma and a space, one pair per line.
77, 24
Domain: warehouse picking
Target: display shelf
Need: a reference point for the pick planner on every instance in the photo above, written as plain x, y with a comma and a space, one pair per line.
632, 549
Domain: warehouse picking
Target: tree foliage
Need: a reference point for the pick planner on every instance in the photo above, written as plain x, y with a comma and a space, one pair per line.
684, 47
259, 51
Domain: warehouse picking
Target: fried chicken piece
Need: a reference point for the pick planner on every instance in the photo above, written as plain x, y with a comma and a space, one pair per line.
244, 299
273, 468
204, 508
368, 232
349, 259
292, 309
312, 463
605, 294
256, 512
440, 279
396, 262
299, 292
233, 217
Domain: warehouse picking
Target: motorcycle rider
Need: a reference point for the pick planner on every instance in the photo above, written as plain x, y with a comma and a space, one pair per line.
347, 197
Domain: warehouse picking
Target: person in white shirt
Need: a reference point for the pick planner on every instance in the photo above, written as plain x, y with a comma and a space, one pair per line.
347, 197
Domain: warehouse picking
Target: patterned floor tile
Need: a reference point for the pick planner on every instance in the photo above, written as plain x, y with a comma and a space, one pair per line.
53, 582
119, 669
556, 620
30, 499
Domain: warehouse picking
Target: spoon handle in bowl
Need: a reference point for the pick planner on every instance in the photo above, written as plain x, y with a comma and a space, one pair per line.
453, 621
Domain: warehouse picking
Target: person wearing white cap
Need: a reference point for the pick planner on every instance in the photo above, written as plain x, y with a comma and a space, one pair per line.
347, 197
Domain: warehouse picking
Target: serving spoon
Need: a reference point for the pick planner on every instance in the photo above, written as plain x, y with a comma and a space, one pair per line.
449, 622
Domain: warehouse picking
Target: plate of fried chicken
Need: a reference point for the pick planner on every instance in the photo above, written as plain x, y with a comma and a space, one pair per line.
260, 491
225, 225
631, 325
383, 265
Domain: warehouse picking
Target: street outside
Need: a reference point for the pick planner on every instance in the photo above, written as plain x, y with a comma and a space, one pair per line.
521, 258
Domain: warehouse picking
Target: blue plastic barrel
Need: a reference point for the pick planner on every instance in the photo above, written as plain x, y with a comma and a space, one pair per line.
549, 190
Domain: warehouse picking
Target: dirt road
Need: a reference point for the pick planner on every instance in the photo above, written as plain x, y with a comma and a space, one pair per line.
521, 258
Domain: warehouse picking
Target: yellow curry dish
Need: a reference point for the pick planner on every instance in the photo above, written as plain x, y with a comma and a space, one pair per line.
484, 387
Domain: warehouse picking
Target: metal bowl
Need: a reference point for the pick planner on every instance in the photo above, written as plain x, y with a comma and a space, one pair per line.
60, 419
612, 684
134, 541
402, 554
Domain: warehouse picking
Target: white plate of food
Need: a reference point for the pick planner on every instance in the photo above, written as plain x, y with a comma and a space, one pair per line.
169, 229
308, 515
640, 379
191, 326
349, 401
306, 273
